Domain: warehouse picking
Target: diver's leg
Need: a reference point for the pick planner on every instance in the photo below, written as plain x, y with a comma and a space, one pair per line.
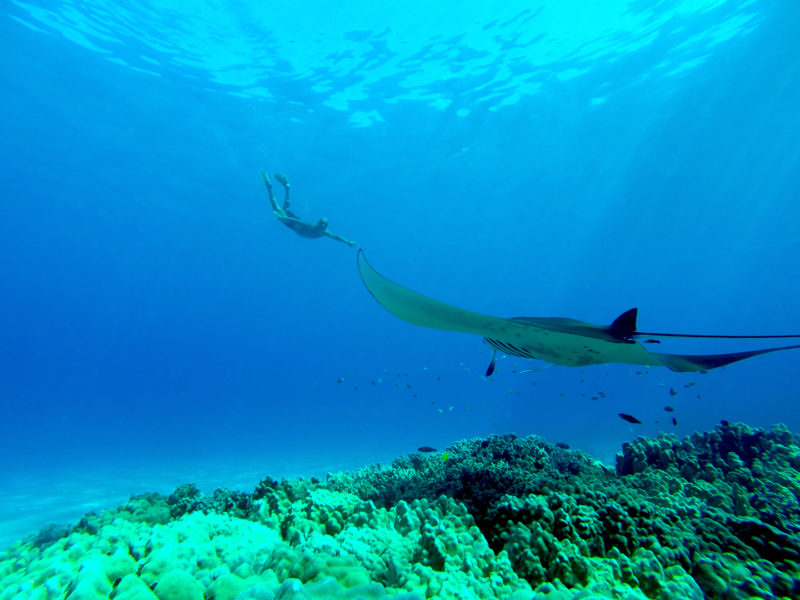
284, 181
275, 208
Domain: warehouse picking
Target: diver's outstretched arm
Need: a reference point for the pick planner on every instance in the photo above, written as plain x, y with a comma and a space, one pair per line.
339, 238
275, 208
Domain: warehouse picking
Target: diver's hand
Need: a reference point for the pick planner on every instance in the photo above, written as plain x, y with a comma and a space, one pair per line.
282, 179
265, 177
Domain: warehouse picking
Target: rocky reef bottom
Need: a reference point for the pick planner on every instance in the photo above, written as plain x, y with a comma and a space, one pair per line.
715, 515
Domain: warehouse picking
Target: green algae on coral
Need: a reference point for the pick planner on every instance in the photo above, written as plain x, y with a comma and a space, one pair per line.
715, 515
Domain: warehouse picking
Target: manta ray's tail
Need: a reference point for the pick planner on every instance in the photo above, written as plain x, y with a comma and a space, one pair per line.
704, 362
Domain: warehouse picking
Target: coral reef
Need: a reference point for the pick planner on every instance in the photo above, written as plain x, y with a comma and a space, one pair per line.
716, 515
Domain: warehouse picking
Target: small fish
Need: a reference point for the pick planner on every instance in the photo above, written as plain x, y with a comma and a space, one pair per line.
672, 392
724, 423
652, 341
484, 443
562, 445
444, 456
674, 421
426, 449
669, 409
629, 418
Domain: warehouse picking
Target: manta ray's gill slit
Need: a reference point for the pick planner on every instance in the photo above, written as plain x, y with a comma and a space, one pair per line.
509, 348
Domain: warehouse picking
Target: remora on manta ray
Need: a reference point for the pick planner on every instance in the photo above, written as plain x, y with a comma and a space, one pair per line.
552, 339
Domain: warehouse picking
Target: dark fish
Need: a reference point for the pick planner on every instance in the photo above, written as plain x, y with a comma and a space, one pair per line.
674, 421
629, 418
669, 409
724, 423
484, 443
562, 445
651, 341
426, 449
490, 368
672, 392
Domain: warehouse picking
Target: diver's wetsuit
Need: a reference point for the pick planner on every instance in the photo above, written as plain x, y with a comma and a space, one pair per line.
292, 221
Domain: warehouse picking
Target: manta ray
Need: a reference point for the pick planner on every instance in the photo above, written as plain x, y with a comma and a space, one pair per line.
556, 340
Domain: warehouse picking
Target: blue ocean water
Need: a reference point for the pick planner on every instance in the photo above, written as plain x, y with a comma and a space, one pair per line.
160, 326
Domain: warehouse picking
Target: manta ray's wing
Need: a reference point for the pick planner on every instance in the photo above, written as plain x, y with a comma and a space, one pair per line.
559, 341
705, 362
556, 340
415, 308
